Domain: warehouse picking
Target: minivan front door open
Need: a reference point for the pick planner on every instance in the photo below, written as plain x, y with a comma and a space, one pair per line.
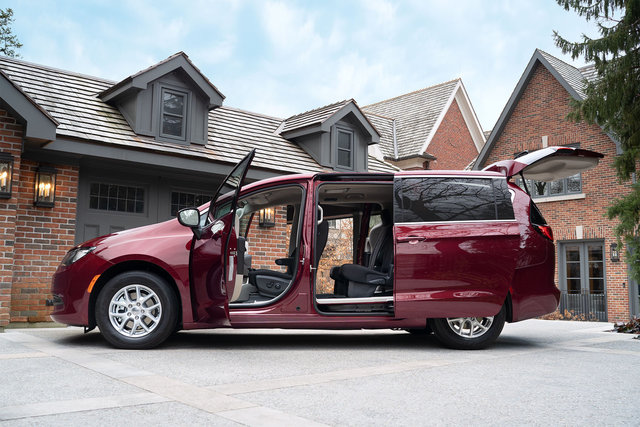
213, 257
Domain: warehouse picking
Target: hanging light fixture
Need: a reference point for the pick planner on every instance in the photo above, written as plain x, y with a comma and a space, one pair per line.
45, 187
6, 175
266, 217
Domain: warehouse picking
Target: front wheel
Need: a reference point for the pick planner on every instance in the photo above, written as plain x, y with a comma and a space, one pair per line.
136, 310
469, 333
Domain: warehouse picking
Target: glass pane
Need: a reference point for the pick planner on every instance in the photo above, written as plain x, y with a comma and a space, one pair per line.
344, 158
573, 253
596, 286
445, 199
503, 199
595, 252
573, 270
557, 187
573, 286
344, 140
538, 188
173, 103
171, 125
574, 184
596, 270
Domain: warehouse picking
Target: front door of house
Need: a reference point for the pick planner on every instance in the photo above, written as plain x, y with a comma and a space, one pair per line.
582, 280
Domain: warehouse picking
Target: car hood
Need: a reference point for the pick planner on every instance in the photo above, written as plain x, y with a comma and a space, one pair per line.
160, 230
548, 164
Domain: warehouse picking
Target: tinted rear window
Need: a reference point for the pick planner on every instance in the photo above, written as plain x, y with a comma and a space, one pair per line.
451, 199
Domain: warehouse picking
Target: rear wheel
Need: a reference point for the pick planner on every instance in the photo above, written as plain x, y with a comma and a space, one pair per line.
469, 333
136, 310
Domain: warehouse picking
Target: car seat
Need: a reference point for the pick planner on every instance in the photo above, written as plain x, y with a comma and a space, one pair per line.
354, 280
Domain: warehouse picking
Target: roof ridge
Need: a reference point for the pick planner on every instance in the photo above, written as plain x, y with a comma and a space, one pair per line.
344, 101
414, 92
253, 113
58, 70
558, 59
377, 115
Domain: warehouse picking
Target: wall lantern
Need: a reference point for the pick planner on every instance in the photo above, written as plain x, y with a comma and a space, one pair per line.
45, 187
6, 175
267, 217
615, 254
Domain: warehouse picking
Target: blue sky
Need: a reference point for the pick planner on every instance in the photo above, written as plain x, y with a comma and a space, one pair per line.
284, 57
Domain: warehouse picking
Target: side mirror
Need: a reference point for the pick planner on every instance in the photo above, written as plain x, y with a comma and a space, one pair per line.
189, 217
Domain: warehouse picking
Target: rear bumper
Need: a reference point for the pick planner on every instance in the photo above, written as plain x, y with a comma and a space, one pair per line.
534, 292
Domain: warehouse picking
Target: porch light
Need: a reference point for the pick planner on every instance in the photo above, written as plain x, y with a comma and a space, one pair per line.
615, 254
6, 175
45, 187
266, 217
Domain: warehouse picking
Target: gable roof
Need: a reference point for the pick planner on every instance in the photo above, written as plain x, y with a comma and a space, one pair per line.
88, 125
178, 61
39, 124
321, 119
571, 78
417, 116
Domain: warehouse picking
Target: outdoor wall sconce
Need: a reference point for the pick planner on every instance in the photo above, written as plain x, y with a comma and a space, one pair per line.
45, 187
615, 254
266, 217
6, 175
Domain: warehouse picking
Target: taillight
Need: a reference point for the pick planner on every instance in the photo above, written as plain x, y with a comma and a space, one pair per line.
545, 230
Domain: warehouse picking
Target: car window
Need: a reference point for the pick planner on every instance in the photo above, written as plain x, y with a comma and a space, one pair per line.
436, 199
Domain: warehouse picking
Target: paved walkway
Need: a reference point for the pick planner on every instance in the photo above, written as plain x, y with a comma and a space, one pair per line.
539, 372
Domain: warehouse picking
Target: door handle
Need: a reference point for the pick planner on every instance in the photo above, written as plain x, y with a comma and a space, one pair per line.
411, 239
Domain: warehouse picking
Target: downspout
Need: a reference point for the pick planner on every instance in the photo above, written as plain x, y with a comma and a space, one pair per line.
395, 141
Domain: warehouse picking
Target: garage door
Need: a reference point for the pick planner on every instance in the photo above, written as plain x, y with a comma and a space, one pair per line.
110, 202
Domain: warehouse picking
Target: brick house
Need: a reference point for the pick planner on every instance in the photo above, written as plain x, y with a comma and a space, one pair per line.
431, 128
594, 281
82, 156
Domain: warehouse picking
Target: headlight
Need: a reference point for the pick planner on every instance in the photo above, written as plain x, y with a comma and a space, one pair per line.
75, 254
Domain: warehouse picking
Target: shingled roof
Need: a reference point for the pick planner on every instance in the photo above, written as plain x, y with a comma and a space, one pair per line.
416, 115
573, 79
321, 119
313, 117
72, 99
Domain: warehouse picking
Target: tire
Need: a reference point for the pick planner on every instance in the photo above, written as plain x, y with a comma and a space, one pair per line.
136, 310
469, 333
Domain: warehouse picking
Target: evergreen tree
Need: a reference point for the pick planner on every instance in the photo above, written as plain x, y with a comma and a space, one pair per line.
8, 41
613, 99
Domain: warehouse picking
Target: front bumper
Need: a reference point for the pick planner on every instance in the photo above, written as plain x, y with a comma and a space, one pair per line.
71, 298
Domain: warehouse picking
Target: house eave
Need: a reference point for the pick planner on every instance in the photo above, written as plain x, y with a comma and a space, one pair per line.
39, 124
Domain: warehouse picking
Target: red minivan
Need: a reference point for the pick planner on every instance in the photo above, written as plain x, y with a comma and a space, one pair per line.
456, 253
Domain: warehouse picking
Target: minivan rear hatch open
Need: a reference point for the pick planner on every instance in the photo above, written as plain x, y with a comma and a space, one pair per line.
548, 164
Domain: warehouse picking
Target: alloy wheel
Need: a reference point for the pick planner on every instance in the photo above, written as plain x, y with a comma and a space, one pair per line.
470, 327
135, 311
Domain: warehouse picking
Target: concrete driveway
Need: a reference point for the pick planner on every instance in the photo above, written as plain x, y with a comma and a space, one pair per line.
539, 372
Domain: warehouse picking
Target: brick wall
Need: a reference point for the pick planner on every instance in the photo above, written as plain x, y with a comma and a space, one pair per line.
33, 240
42, 237
11, 143
542, 111
452, 145
268, 244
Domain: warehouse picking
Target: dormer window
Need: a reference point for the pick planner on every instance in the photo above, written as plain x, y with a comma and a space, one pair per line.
174, 112
345, 149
